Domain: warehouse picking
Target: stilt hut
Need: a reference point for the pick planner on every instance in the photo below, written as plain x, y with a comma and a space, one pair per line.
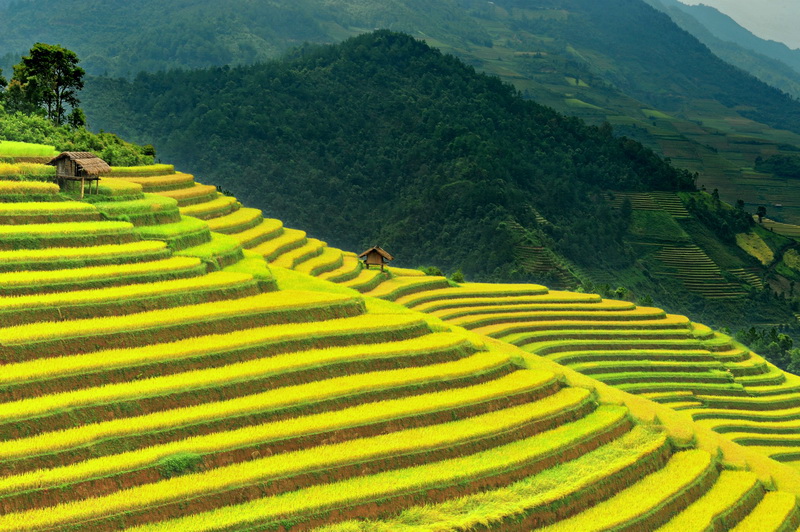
80, 166
375, 256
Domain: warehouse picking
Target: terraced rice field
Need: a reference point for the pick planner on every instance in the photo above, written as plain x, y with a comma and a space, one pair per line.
156, 375
698, 272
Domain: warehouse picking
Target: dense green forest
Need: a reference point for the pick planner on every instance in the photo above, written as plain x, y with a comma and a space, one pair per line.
39, 130
383, 139
628, 43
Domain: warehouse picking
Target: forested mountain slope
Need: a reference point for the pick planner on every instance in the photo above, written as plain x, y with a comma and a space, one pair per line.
383, 139
583, 58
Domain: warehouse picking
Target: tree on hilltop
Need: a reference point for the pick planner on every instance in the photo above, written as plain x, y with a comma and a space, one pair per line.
48, 80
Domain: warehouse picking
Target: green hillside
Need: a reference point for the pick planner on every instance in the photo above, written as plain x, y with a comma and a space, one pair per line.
175, 361
413, 146
679, 99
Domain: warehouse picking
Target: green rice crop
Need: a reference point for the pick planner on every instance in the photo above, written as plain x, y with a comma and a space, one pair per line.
237, 221
10, 148
187, 225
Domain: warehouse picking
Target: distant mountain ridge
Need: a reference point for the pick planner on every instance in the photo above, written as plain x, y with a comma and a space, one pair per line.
772, 62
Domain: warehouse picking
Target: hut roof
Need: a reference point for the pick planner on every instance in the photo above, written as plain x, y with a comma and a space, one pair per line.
382, 252
89, 162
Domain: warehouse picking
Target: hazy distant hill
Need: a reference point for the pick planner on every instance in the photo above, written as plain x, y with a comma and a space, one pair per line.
772, 62
118, 37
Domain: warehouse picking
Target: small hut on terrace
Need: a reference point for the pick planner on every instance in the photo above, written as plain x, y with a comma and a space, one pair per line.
79, 166
375, 256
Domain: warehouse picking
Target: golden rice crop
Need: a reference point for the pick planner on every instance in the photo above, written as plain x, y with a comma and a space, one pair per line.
272, 399
66, 228
201, 210
452, 471
730, 488
479, 290
277, 302
490, 506
682, 470
216, 376
201, 345
28, 187
27, 170
238, 217
108, 250
589, 310
121, 293
358, 488
398, 285
285, 239
20, 278
771, 514
159, 180
195, 191
150, 169
329, 258
54, 207
289, 259
360, 415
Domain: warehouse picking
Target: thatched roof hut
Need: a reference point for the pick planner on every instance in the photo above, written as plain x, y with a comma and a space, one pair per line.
376, 256
79, 163
79, 166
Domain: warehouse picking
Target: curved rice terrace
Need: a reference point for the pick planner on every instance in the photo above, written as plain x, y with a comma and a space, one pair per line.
175, 361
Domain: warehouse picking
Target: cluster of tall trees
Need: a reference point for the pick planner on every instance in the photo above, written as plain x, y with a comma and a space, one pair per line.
40, 104
46, 82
